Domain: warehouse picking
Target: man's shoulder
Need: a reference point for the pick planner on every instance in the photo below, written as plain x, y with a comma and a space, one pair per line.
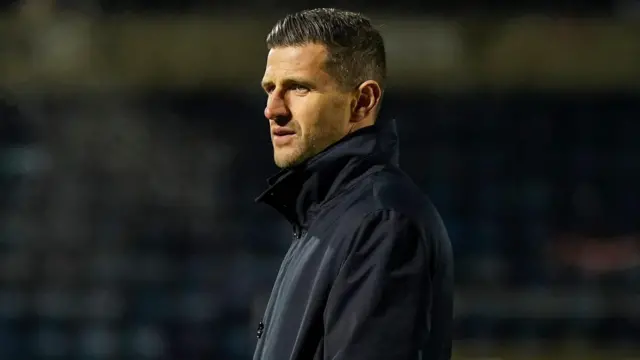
391, 190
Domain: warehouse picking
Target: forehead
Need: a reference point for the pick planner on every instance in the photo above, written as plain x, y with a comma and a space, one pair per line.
296, 61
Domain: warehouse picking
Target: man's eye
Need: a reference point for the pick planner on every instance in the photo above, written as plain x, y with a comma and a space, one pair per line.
299, 88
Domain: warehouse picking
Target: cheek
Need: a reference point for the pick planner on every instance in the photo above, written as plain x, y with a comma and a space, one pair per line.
306, 113
314, 115
339, 112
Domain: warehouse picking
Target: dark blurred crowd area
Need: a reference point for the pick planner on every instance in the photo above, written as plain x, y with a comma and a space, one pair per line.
128, 228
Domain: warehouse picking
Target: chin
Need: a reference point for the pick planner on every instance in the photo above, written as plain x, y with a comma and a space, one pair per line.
287, 159
284, 163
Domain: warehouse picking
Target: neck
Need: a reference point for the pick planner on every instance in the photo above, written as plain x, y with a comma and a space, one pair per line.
296, 192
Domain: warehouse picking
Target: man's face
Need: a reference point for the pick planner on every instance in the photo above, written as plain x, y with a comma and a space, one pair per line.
306, 108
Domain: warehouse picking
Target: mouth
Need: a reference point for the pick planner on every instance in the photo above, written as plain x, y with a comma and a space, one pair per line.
282, 136
282, 132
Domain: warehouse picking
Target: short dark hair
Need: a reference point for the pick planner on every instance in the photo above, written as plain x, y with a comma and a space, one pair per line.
355, 48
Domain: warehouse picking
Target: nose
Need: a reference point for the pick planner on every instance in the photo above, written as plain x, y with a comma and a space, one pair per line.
276, 107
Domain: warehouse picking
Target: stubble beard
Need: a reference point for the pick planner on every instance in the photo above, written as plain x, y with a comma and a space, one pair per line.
305, 148
295, 154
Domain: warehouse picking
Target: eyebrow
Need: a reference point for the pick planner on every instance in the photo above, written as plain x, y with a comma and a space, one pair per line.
290, 81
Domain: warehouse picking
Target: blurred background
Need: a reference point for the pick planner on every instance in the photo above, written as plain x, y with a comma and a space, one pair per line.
132, 145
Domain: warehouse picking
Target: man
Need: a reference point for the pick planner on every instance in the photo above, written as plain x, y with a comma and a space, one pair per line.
369, 273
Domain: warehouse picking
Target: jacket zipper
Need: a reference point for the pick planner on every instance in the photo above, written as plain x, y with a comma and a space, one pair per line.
260, 330
297, 234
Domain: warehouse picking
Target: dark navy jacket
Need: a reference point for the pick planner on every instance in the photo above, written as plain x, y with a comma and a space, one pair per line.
369, 274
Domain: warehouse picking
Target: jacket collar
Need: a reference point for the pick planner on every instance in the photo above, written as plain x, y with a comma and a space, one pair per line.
295, 192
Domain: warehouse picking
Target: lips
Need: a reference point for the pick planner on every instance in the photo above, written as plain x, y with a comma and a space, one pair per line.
282, 136
282, 132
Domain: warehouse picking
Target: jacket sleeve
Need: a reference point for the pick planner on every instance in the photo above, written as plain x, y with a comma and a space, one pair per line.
377, 306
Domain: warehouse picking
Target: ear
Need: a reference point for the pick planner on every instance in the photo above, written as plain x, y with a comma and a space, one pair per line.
365, 101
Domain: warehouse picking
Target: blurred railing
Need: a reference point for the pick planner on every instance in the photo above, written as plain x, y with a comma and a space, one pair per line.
559, 303
74, 53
